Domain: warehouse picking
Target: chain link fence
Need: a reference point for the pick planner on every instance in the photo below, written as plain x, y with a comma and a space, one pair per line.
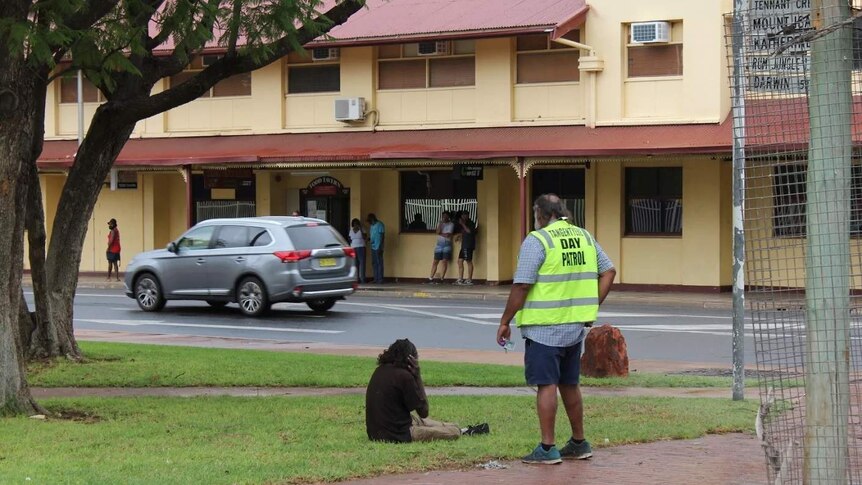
797, 88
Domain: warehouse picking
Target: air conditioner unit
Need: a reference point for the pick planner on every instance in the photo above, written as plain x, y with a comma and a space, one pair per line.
438, 48
325, 54
350, 109
650, 32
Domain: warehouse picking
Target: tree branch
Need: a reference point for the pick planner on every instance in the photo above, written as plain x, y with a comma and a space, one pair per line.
818, 33
234, 28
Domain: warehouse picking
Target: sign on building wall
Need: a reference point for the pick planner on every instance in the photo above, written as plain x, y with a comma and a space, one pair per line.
772, 25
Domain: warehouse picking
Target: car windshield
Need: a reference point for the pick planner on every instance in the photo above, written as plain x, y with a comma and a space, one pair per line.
314, 237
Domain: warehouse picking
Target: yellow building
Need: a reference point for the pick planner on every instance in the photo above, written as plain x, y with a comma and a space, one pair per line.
619, 106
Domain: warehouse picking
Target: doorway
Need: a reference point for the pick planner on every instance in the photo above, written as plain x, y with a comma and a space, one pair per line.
568, 184
327, 199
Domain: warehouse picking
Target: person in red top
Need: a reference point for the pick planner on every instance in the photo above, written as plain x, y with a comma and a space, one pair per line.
113, 252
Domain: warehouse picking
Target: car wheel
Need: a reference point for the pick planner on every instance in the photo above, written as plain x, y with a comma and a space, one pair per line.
148, 293
217, 303
321, 306
252, 298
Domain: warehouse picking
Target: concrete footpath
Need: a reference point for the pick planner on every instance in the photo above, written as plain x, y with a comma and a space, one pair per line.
710, 460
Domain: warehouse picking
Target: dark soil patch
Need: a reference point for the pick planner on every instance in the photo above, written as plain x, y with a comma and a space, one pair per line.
721, 372
76, 416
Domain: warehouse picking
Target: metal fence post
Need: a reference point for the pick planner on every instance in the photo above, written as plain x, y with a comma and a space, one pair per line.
738, 342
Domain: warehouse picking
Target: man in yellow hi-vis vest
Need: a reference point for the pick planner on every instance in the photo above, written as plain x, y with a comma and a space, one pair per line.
562, 277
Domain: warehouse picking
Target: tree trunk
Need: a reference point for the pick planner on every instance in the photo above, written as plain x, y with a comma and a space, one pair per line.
46, 339
104, 140
17, 132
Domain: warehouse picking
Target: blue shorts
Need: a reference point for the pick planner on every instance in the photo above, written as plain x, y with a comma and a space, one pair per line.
545, 365
443, 252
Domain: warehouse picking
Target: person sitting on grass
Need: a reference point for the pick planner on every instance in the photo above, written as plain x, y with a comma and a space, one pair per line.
394, 392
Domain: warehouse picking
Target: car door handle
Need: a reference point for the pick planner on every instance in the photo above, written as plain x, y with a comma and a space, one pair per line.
201, 261
240, 259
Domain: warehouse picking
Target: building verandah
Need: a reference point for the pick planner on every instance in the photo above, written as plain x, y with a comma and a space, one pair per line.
663, 219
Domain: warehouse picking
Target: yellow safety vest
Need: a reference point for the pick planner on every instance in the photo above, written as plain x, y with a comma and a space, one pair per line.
567, 288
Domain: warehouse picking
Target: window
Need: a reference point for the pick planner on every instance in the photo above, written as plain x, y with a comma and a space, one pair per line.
69, 90
197, 239
241, 237
427, 194
656, 60
568, 184
653, 201
789, 198
541, 60
238, 85
401, 67
314, 236
305, 76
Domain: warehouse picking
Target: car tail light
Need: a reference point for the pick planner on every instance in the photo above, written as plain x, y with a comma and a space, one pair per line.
349, 252
355, 286
297, 292
292, 256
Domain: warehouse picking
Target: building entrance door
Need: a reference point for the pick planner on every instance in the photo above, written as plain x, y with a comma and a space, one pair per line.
326, 198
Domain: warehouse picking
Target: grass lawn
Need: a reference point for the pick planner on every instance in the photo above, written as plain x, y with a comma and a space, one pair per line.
308, 439
134, 365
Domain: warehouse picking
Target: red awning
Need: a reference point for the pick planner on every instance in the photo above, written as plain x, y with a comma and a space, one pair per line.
446, 144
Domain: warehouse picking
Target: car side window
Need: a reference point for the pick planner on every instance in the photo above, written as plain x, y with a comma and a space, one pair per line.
197, 239
232, 237
260, 237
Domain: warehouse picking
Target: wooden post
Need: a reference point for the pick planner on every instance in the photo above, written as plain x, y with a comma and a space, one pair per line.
827, 281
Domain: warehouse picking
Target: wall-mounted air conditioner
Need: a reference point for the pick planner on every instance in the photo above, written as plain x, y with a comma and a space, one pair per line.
325, 54
650, 32
434, 48
350, 109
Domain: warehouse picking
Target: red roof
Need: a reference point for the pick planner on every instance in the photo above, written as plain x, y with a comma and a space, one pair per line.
402, 20
782, 124
448, 144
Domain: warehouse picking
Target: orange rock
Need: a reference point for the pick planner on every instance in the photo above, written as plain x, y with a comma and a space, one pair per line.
605, 353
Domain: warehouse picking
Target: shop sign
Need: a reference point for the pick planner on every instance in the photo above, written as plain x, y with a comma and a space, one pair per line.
471, 171
325, 186
127, 179
231, 178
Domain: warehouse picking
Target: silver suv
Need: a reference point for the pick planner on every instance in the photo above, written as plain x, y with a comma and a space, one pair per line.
254, 261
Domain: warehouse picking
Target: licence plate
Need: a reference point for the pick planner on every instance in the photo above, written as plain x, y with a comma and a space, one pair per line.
327, 262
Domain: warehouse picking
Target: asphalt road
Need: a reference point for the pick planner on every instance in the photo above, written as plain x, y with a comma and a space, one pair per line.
688, 335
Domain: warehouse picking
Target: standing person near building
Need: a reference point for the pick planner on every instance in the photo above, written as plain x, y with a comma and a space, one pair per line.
378, 234
357, 242
443, 249
468, 245
113, 250
563, 275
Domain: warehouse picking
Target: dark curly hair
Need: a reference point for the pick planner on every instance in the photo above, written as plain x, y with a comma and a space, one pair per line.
398, 353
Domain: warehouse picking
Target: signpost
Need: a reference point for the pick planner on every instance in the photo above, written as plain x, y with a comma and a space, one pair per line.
773, 25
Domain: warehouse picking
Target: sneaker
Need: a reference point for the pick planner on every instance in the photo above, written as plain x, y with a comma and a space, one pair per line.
476, 429
458, 282
430, 281
577, 451
468, 283
541, 457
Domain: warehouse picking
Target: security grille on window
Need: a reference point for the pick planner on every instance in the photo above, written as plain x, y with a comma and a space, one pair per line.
541, 60
656, 59
238, 85
429, 193
403, 67
789, 200
653, 201
307, 76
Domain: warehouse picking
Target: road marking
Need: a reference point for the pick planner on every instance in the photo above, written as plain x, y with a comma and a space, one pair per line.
609, 315
100, 295
139, 323
428, 314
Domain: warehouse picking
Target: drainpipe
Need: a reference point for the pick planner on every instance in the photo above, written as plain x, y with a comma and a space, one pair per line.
522, 197
591, 65
187, 177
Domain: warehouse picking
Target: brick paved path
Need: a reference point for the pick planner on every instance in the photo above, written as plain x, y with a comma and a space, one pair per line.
733, 459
